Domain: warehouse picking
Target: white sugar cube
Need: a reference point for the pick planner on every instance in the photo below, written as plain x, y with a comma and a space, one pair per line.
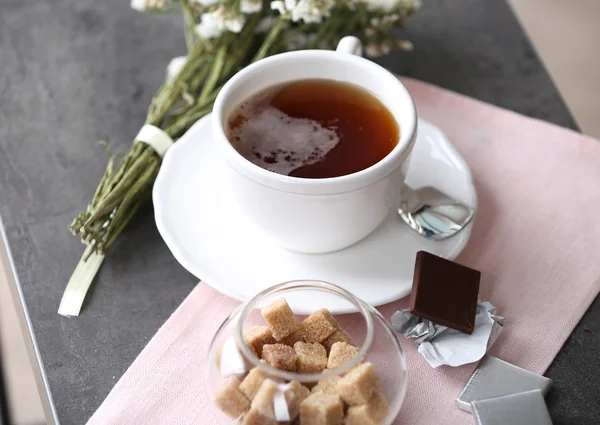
232, 361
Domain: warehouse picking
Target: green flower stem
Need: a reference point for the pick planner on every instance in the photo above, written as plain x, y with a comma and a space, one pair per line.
198, 79
130, 203
273, 37
88, 237
215, 73
120, 226
182, 124
242, 46
188, 25
111, 200
194, 87
170, 92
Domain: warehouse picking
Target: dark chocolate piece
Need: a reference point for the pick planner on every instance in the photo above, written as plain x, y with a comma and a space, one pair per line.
445, 292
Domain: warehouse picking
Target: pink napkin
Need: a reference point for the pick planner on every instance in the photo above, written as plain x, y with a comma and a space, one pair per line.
536, 241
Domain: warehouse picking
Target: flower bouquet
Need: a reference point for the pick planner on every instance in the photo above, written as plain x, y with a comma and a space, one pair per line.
222, 37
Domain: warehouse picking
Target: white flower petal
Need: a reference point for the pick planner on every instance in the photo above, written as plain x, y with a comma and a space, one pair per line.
290, 4
175, 66
389, 5
211, 25
309, 11
140, 5
206, 2
278, 6
234, 24
385, 5
250, 6
373, 50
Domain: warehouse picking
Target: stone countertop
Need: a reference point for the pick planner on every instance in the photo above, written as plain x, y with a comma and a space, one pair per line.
77, 71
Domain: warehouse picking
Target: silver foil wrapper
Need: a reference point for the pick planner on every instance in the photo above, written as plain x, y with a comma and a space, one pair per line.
440, 345
528, 408
496, 378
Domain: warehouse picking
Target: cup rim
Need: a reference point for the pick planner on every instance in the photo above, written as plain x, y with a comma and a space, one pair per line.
363, 307
319, 186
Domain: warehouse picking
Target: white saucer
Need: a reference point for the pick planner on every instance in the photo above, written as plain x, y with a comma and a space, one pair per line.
214, 241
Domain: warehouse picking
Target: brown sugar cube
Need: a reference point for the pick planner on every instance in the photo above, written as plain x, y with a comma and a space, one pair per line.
230, 399
319, 326
321, 409
311, 357
372, 413
264, 411
263, 399
217, 357
359, 385
280, 318
280, 356
304, 392
256, 337
294, 337
338, 336
255, 417
340, 353
295, 395
327, 385
252, 382
261, 410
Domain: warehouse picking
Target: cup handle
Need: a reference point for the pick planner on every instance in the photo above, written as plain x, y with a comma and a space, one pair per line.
350, 45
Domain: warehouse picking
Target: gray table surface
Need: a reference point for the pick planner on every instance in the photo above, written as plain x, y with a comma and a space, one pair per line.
76, 71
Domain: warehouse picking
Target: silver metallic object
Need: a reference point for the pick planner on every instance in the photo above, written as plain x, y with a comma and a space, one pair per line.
528, 408
440, 345
496, 378
432, 213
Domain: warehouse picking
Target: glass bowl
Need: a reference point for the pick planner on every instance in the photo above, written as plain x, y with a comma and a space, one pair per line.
368, 329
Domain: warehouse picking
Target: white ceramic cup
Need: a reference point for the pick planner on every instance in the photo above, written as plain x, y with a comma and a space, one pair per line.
317, 215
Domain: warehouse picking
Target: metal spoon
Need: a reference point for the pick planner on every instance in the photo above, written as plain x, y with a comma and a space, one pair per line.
433, 214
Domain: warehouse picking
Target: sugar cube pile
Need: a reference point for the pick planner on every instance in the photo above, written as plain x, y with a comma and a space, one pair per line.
314, 346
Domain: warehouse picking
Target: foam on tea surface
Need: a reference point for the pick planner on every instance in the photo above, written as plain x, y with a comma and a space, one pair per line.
280, 143
313, 129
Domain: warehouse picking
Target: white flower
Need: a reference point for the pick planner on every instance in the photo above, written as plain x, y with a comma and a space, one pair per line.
250, 6
385, 5
405, 45
210, 26
143, 5
234, 24
175, 66
389, 5
373, 50
388, 20
309, 11
213, 24
278, 6
140, 5
265, 24
206, 2
391, 19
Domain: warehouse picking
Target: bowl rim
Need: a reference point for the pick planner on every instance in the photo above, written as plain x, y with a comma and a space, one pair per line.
298, 285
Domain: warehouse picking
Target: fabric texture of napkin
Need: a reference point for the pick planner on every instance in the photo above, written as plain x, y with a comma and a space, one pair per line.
535, 240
